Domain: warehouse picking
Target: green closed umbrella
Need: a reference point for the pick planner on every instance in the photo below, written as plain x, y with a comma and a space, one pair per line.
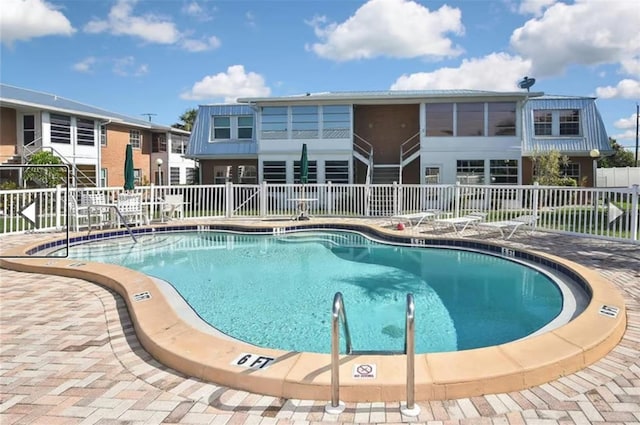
129, 177
304, 165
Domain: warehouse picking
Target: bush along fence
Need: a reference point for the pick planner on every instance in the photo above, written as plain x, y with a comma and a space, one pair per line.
610, 213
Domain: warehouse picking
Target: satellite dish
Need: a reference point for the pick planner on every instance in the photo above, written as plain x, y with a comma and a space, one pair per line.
527, 83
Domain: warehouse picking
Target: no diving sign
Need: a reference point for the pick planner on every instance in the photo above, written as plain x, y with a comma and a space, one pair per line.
364, 371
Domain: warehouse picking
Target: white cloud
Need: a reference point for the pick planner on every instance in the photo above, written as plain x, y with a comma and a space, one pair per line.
497, 71
193, 45
534, 7
393, 28
586, 32
85, 65
195, 10
149, 27
631, 66
22, 20
230, 85
251, 19
127, 67
626, 123
627, 135
626, 89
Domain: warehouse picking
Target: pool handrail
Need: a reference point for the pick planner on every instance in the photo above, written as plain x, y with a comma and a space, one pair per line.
410, 409
338, 315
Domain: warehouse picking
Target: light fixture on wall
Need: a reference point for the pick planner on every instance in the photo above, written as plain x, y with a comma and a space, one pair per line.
159, 163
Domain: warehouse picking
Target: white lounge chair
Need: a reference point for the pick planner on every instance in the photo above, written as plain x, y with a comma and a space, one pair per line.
418, 217
512, 224
460, 224
130, 207
173, 206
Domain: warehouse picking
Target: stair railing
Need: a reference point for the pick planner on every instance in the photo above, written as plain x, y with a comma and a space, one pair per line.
407, 149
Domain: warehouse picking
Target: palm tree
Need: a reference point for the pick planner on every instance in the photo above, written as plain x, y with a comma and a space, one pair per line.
188, 118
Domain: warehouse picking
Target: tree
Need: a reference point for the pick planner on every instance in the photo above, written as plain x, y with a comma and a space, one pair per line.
45, 176
621, 157
188, 118
547, 169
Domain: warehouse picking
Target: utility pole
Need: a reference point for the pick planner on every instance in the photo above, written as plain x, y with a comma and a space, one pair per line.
637, 122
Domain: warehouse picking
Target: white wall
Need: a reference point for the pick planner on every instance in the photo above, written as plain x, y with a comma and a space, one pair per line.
618, 177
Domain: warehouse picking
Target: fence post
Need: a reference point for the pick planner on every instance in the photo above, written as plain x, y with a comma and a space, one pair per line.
634, 212
397, 198
534, 201
456, 200
329, 198
263, 199
228, 207
59, 207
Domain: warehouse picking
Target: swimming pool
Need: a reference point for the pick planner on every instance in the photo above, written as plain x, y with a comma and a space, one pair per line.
276, 290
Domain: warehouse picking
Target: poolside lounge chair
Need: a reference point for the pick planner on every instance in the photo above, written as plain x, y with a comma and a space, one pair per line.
173, 206
512, 224
130, 207
460, 224
418, 217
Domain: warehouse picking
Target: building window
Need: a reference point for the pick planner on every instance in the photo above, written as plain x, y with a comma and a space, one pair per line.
174, 175
221, 128
432, 175
247, 174
222, 174
179, 143
103, 135
159, 142
439, 119
470, 171
191, 176
336, 122
28, 129
501, 119
313, 172
245, 127
274, 122
543, 123
85, 132
137, 176
469, 119
336, 172
304, 122
571, 170
135, 139
503, 171
60, 128
569, 122
274, 171
103, 178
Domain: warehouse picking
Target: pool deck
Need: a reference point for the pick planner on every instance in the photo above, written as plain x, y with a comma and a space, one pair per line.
71, 356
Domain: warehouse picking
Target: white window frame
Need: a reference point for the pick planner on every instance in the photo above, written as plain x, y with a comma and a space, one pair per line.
135, 138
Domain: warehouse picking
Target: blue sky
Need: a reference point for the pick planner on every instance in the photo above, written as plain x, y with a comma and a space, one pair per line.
166, 56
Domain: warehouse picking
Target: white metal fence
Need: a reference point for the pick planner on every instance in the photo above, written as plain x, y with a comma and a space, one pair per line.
610, 213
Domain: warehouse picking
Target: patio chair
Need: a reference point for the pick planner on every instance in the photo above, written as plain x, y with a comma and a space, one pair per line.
418, 217
460, 224
173, 206
513, 225
78, 215
100, 215
130, 207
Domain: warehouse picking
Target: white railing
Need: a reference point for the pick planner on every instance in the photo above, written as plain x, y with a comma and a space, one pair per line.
611, 213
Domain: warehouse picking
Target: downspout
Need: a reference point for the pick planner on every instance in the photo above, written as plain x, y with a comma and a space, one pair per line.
102, 124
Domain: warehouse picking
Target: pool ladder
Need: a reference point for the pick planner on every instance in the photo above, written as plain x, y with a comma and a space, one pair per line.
339, 317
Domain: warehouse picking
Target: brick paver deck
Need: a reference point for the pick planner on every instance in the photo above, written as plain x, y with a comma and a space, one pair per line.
69, 355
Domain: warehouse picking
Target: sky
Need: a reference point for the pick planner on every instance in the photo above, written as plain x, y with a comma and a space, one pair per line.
157, 59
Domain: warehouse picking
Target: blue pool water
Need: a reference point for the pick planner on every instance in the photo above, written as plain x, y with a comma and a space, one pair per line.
277, 291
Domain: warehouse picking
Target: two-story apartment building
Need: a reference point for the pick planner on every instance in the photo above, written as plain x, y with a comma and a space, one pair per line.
414, 137
92, 141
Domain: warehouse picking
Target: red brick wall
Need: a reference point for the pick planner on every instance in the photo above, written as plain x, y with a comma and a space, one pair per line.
8, 133
386, 127
113, 155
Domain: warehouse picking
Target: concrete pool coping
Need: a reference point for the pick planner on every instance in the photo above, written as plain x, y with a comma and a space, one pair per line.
504, 368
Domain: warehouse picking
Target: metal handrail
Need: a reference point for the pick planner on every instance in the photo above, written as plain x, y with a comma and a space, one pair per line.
338, 315
410, 149
410, 351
